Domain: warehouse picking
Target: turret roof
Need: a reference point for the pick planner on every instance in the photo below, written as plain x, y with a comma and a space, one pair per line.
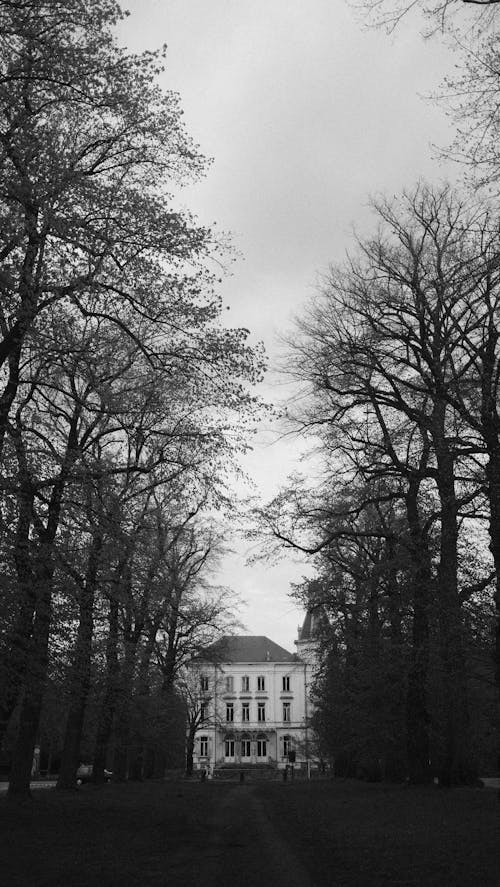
312, 622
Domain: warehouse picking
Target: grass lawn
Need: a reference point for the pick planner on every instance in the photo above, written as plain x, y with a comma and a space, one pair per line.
108, 836
352, 834
345, 834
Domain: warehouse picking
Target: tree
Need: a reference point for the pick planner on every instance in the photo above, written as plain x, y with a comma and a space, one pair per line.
119, 377
381, 354
198, 692
85, 137
441, 14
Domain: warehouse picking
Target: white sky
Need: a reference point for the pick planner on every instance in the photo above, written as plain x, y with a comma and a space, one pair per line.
305, 115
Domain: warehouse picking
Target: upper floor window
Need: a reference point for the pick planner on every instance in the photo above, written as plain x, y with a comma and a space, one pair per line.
245, 748
286, 712
245, 683
203, 746
261, 683
229, 684
203, 711
245, 711
204, 683
261, 711
229, 748
229, 711
286, 683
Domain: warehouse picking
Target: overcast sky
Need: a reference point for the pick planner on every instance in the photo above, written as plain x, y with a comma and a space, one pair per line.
306, 115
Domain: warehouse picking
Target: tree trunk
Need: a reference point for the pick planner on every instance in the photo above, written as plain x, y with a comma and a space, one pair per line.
190, 749
80, 672
13, 664
36, 674
456, 766
110, 695
417, 716
142, 708
493, 478
122, 750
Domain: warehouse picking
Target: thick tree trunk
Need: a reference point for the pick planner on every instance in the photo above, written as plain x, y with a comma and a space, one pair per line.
108, 706
13, 664
493, 478
80, 672
121, 759
456, 766
395, 757
417, 716
36, 674
142, 733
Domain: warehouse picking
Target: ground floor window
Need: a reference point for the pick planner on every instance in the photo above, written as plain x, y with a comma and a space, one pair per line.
261, 748
287, 745
229, 748
203, 746
245, 748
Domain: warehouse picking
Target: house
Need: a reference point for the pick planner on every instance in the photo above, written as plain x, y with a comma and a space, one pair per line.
255, 703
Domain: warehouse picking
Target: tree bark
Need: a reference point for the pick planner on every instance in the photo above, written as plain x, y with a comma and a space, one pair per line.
13, 666
456, 766
110, 695
80, 672
417, 716
36, 674
493, 479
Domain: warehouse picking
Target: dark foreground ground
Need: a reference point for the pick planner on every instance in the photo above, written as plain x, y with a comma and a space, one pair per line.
344, 834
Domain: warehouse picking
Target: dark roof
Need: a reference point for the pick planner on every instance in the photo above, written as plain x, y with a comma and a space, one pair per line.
315, 618
248, 648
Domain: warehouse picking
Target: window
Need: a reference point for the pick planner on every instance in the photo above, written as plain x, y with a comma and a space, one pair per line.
245, 748
261, 683
229, 711
286, 684
261, 748
204, 683
245, 712
287, 745
286, 712
229, 748
203, 711
229, 684
203, 746
245, 684
261, 711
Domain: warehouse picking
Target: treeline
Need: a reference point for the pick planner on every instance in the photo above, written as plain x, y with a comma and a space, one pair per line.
397, 359
123, 398
400, 356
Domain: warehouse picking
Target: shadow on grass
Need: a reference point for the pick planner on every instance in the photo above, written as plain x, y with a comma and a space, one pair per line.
352, 834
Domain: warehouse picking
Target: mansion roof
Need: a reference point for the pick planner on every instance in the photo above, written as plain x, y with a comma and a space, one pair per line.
249, 648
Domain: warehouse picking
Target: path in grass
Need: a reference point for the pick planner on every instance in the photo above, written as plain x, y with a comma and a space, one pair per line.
246, 848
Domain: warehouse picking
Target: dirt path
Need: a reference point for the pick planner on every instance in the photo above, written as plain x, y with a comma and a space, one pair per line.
245, 848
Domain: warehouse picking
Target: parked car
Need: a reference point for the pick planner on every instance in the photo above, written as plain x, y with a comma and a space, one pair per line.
85, 771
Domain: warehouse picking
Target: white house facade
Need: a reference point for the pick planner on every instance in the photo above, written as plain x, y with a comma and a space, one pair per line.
256, 704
